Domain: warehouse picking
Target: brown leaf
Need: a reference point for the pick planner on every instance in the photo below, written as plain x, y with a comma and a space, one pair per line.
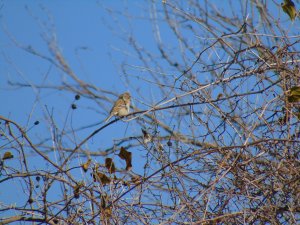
7, 155
219, 96
294, 98
105, 211
294, 94
86, 165
126, 183
289, 8
106, 215
295, 90
136, 179
127, 156
298, 115
104, 199
77, 189
109, 164
101, 177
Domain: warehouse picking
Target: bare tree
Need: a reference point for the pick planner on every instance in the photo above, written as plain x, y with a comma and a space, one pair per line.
213, 134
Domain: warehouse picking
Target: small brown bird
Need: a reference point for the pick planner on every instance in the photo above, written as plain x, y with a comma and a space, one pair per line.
121, 106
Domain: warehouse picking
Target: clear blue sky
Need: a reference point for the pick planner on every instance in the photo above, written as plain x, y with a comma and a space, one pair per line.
83, 39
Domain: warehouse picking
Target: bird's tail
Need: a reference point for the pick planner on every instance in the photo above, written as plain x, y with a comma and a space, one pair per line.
108, 118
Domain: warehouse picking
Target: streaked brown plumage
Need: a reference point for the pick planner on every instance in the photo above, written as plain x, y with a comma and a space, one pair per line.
121, 106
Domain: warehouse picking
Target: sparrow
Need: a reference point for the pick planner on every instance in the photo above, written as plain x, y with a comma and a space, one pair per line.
121, 106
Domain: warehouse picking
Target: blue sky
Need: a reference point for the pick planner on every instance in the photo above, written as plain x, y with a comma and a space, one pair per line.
83, 39
78, 27
81, 29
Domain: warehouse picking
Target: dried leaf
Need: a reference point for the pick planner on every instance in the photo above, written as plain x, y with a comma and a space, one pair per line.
127, 156
294, 94
103, 200
298, 116
101, 177
7, 155
160, 147
293, 99
295, 90
105, 211
126, 183
219, 96
86, 165
77, 189
109, 164
289, 8
136, 179
106, 215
